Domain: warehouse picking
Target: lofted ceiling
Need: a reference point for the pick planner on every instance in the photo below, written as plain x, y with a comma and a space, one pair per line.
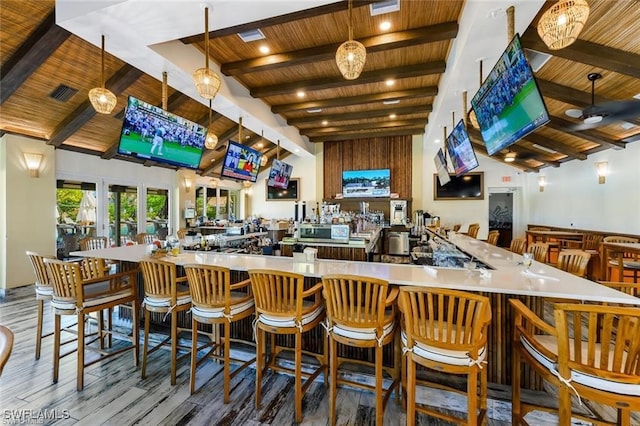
431, 52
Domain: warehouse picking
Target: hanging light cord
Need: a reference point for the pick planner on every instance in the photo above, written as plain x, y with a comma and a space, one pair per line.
206, 38
102, 64
350, 22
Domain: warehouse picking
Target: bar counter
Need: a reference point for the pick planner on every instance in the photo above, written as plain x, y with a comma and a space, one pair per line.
506, 280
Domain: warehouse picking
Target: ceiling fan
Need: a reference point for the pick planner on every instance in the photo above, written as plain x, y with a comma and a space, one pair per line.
604, 113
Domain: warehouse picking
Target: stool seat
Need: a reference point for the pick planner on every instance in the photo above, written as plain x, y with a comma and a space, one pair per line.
445, 356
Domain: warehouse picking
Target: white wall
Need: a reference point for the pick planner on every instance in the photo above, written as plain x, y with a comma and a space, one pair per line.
573, 195
27, 220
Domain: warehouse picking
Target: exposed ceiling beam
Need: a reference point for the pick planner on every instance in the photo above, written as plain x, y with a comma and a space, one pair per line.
594, 136
377, 43
417, 70
36, 49
111, 151
589, 53
122, 79
313, 118
633, 138
555, 145
419, 92
363, 126
278, 20
479, 147
372, 134
524, 153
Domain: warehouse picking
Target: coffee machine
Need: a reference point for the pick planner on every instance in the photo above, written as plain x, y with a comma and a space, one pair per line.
398, 212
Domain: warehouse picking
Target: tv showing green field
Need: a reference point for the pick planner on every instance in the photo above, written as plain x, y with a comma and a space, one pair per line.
509, 105
366, 183
151, 133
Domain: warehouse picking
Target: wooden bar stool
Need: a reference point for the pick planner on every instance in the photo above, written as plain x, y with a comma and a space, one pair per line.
6, 346
216, 301
361, 312
283, 307
518, 245
574, 261
569, 356
73, 295
167, 294
44, 292
626, 264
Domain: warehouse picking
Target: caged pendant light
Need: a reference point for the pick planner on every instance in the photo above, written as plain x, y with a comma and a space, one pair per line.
351, 54
207, 82
211, 140
102, 99
560, 25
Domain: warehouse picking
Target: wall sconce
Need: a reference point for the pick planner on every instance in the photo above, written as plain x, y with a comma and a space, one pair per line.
33, 163
542, 182
602, 168
187, 184
246, 185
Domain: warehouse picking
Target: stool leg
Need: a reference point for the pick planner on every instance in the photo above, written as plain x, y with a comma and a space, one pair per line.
472, 397
80, 378
333, 382
174, 345
298, 378
226, 348
39, 327
194, 355
379, 405
145, 346
135, 338
259, 360
56, 347
411, 390
515, 386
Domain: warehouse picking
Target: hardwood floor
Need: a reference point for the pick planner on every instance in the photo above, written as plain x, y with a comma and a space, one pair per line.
114, 393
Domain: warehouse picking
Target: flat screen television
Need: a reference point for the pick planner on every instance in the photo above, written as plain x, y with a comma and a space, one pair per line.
366, 183
467, 187
463, 157
279, 175
291, 193
241, 162
151, 133
508, 104
440, 161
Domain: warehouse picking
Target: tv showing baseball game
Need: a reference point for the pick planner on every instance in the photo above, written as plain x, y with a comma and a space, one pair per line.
149, 132
241, 162
280, 174
509, 104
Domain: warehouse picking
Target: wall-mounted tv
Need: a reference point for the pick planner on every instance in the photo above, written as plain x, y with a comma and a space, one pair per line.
463, 157
467, 187
291, 193
280, 174
151, 133
366, 183
509, 105
440, 161
241, 162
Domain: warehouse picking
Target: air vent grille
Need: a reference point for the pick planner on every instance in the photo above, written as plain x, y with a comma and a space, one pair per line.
382, 7
63, 93
251, 35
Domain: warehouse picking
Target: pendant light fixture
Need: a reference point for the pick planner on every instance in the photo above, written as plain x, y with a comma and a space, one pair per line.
207, 82
351, 54
211, 140
102, 99
561, 24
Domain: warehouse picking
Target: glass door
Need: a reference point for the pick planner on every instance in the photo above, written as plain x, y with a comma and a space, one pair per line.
76, 214
157, 212
123, 214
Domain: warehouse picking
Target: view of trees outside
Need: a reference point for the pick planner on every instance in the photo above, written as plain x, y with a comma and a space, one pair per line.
68, 201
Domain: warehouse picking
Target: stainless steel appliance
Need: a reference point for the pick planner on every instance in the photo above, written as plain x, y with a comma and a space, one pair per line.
398, 243
323, 233
398, 212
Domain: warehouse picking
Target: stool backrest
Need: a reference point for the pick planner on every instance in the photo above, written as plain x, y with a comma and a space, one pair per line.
160, 279
93, 243
574, 261
210, 286
277, 293
539, 251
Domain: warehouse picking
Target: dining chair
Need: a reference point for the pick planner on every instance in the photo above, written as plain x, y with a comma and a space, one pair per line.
632, 289
73, 295
44, 292
473, 229
574, 261
518, 245
217, 301
445, 331
6, 346
570, 356
168, 294
540, 251
283, 306
493, 237
361, 313
626, 264
93, 243
145, 238
181, 233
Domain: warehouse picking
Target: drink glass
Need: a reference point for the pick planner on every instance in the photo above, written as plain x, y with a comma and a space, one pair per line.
527, 259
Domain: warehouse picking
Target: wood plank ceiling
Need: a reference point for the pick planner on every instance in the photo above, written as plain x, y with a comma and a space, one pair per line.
38, 57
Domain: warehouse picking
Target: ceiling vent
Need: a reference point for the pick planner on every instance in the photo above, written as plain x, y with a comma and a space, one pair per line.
63, 93
251, 35
537, 59
386, 6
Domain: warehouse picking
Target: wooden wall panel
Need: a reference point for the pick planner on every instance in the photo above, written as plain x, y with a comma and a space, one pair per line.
392, 153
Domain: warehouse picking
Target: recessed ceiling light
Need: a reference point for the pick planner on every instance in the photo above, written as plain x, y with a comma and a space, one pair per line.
390, 82
260, 145
544, 148
264, 49
392, 116
325, 122
626, 125
385, 25
247, 137
297, 150
391, 101
300, 94
637, 96
437, 141
314, 110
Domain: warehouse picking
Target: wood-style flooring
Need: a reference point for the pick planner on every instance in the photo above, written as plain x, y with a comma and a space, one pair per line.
114, 393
